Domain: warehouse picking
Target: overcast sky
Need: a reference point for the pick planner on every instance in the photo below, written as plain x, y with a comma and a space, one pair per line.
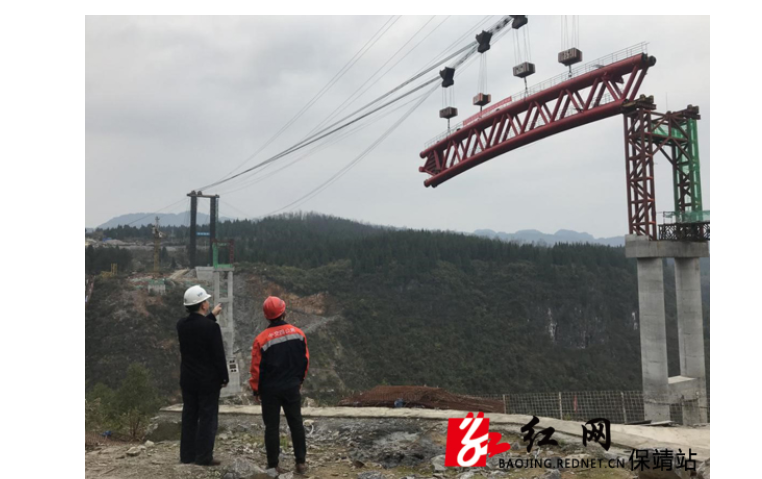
174, 103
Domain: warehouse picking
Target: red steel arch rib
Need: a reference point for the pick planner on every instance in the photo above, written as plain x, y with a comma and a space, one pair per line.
586, 98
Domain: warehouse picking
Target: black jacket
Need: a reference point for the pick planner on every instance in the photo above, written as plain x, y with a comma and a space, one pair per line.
203, 367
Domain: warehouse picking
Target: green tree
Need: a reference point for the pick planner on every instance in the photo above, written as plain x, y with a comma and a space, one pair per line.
100, 413
136, 400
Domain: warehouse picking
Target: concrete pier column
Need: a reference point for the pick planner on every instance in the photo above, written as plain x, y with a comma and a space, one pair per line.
690, 325
689, 388
653, 339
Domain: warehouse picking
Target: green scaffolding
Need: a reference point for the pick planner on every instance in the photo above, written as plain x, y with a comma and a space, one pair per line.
686, 166
690, 165
215, 260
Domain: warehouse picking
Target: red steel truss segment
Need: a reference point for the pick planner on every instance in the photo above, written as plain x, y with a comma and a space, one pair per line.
590, 97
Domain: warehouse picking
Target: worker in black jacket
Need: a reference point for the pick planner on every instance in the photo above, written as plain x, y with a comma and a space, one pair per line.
203, 372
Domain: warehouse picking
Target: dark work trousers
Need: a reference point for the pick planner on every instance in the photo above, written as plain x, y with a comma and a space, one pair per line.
199, 426
291, 402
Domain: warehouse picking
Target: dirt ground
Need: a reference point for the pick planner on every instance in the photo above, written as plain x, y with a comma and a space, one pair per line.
337, 448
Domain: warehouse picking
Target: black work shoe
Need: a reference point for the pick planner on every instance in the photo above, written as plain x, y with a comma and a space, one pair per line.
213, 462
301, 468
278, 470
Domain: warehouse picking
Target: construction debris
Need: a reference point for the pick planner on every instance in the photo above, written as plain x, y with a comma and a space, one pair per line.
421, 397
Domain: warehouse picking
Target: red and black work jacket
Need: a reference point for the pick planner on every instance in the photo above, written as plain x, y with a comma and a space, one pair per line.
279, 359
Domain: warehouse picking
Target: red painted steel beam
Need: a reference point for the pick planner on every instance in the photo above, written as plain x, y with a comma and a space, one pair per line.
569, 104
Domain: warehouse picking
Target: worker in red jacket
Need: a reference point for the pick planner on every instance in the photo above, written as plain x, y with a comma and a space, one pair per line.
279, 363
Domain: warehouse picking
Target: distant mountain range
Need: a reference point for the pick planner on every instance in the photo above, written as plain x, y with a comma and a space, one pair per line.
522, 236
165, 219
540, 238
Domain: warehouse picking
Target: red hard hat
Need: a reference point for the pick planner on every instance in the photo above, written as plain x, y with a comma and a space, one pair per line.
273, 307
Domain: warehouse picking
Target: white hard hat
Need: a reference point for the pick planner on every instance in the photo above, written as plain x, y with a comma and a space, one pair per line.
194, 295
